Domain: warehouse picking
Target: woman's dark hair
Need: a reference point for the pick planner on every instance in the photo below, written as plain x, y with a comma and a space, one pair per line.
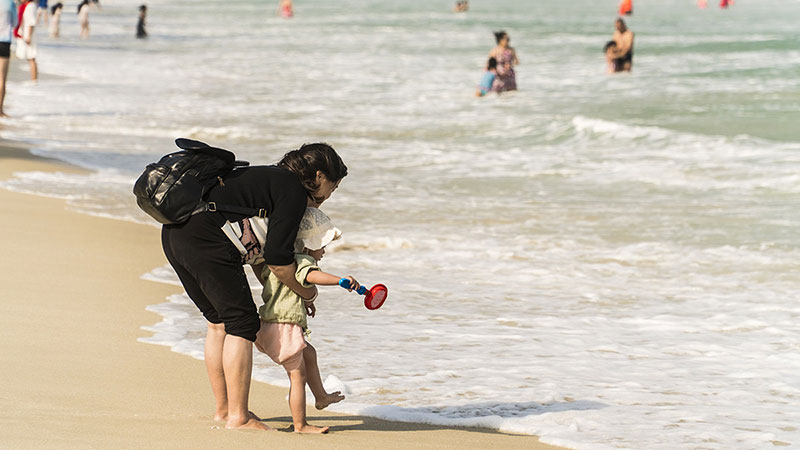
492, 64
56, 7
80, 5
310, 158
499, 35
608, 45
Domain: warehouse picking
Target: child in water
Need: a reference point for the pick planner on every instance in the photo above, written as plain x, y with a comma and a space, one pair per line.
284, 319
612, 65
485, 86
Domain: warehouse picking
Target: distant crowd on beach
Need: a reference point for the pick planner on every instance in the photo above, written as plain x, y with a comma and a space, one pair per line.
19, 20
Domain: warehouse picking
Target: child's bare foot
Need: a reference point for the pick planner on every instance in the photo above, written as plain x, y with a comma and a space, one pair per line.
329, 399
311, 429
250, 424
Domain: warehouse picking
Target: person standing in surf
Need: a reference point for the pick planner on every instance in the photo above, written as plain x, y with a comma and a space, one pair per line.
8, 18
141, 33
506, 59
622, 52
83, 18
211, 270
26, 45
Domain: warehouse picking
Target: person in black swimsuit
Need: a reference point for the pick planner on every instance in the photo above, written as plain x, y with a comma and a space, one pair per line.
141, 33
623, 53
211, 271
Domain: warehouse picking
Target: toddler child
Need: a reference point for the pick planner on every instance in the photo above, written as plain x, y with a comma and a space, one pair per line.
284, 319
612, 65
485, 85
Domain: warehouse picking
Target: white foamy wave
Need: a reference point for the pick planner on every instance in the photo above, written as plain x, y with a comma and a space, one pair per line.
164, 274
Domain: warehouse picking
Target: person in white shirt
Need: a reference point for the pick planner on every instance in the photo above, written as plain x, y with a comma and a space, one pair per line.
55, 20
8, 19
26, 47
83, 18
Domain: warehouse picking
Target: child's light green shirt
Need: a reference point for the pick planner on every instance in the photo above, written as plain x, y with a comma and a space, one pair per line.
281, 304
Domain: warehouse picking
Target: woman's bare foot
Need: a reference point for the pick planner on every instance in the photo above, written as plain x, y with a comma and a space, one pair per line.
250, 424
311, 429
329, 399
219, 417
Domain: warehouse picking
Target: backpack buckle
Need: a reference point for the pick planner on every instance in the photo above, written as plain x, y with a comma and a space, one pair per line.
212, 207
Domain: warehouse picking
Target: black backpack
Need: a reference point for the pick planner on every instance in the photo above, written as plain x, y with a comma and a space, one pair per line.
174, 188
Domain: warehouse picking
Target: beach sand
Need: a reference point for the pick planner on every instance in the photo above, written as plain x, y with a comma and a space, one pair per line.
74, 375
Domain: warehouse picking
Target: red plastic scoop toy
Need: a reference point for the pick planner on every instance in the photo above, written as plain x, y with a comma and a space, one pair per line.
374, 297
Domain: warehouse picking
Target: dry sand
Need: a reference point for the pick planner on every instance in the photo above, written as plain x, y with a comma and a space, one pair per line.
74, 376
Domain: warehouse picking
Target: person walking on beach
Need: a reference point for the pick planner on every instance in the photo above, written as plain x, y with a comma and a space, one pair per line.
141, 33
622, 52
8, 18
506, 60
26, 46
55, 20
83, 18
284, 321
211, 271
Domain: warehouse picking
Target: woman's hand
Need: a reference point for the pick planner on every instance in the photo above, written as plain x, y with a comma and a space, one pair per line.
285, 275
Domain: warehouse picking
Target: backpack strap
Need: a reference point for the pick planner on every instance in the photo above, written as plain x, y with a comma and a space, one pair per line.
245, 211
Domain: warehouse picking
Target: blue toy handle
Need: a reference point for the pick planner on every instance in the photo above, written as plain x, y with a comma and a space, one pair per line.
345, 283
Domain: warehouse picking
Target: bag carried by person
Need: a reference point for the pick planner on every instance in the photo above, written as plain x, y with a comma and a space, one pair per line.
174, 188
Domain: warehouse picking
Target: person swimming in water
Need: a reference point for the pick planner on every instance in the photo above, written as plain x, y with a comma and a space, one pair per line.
285, 9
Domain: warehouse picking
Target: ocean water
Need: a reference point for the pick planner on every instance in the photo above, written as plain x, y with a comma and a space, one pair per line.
603, 261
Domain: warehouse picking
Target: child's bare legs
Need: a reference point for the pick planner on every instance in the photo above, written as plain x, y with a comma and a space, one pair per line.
321, 398
297, 401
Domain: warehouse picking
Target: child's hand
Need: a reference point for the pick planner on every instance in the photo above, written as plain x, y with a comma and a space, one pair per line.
353, 284
311, 309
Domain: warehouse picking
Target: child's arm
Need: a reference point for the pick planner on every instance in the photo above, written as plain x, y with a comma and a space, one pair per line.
319, 277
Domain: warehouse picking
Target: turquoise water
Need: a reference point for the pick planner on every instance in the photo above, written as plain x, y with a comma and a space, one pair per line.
603, 261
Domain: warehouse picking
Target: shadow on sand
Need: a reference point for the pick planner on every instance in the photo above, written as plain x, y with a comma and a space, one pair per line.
477, 417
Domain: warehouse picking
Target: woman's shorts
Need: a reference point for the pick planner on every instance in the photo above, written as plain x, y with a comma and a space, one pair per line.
5, 49
25, 51
210, 269
283, 342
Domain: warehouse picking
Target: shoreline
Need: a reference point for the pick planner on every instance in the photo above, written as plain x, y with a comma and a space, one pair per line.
75, 307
